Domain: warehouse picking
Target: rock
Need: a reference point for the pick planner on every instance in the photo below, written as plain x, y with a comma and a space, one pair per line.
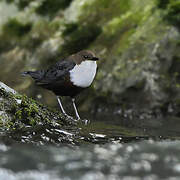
24, 120
137, 49
7, 88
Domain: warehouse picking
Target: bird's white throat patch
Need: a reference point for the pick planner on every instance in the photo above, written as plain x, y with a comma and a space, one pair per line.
82, 75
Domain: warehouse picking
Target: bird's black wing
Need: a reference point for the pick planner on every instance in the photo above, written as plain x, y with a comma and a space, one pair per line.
57, 72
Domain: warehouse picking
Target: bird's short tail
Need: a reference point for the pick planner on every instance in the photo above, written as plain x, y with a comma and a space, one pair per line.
34, 74
25, 73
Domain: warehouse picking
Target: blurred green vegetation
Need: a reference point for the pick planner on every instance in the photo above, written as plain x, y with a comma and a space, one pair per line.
172, 11
50, 7
78, 37
20, 3
104, 10
12, 34
15, 28
46, 7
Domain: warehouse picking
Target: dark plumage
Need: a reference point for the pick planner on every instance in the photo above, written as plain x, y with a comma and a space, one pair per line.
57, 78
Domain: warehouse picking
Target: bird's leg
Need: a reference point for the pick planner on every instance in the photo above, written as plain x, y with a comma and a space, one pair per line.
75, 109
60, 104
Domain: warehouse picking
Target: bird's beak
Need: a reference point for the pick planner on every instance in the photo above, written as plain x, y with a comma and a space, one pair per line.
94, 58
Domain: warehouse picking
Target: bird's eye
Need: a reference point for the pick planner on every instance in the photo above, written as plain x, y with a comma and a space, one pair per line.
85, 56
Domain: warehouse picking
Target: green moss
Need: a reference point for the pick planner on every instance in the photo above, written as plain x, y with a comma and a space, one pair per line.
24, 112
103, 11
15, 28
17, 96
118, 26
8, 124
27, 111
117, 31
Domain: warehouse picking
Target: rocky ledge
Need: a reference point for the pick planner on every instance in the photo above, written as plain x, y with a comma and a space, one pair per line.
23, 119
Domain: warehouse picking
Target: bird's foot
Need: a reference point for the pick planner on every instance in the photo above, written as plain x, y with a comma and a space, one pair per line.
84, 121
69, 117
78, 119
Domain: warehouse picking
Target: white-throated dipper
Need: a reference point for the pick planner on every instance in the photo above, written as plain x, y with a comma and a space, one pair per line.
68, 77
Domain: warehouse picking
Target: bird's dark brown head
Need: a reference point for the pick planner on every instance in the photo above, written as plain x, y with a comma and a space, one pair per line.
83, 56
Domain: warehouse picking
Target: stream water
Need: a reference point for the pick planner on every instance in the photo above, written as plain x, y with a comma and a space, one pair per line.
109, 150
147, 160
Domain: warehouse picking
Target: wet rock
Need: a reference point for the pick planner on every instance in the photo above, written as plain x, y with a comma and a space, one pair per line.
24, 120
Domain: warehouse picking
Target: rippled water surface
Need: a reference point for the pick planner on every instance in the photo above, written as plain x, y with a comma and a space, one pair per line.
140, 160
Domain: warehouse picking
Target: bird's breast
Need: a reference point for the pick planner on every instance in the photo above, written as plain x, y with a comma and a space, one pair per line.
82, 75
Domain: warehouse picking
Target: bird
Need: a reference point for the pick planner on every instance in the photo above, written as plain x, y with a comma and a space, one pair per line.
67, 77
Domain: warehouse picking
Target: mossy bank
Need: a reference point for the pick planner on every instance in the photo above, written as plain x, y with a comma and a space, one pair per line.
22, 119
